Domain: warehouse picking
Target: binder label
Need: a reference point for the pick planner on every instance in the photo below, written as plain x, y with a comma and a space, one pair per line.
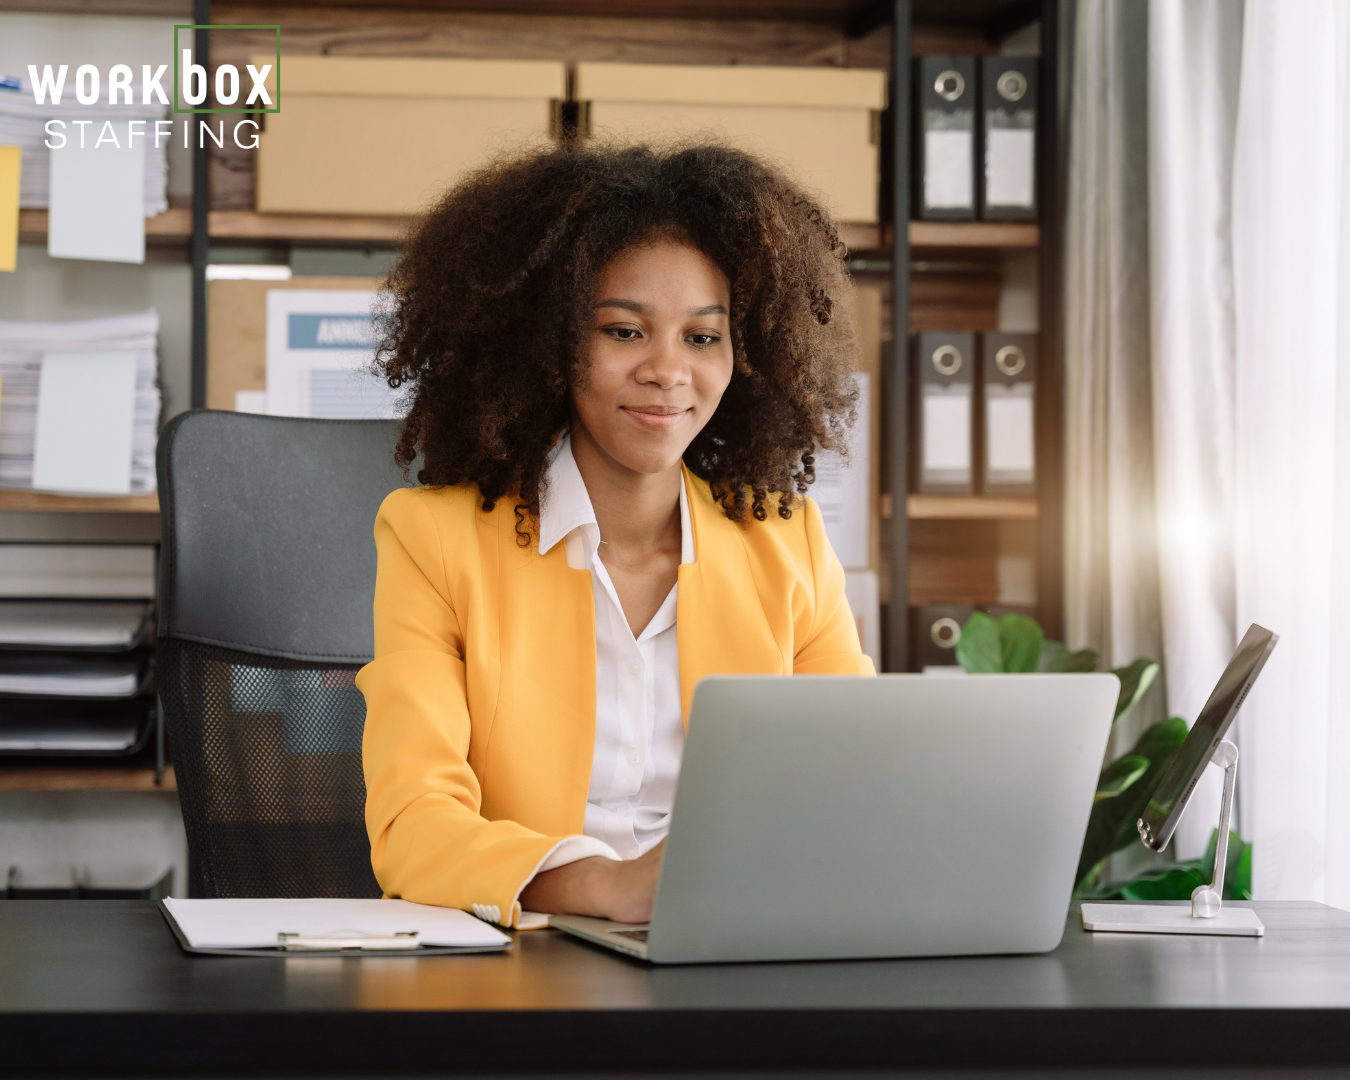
1010, 167
948, 161
1009, 427
946, 433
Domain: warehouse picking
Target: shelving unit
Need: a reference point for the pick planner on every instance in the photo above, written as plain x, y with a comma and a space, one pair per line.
972, 508
84, 504
858, 33
84, 777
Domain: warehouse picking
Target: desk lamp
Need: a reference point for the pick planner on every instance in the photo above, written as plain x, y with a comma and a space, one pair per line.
1205, 744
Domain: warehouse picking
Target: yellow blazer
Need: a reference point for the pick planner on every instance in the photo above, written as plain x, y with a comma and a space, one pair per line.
480, 721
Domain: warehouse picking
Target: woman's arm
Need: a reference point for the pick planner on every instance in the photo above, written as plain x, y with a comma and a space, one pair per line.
603, 888
429, 842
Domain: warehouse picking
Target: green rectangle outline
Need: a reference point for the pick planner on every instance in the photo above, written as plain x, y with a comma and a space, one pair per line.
230, 26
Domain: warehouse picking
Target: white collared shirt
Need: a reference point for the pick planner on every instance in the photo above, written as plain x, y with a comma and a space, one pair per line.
639, 725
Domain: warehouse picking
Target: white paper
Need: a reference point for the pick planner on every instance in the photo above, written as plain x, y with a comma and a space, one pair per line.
77, 677
1010, 433
85, 571
949, 169
864, 599
1010, 167
250, 401
98, 195
86, 414
320, 345
946, 431
255, 924
22, 346
120, 571
65, 624
843, 492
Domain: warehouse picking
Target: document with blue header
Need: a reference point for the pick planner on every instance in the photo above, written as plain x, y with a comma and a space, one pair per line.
320, 356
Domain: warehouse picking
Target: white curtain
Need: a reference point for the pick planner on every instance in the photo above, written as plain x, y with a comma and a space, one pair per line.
1195, 49
1251, 372
1110, 576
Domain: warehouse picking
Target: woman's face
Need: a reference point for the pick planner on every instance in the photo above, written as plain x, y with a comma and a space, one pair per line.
659, 353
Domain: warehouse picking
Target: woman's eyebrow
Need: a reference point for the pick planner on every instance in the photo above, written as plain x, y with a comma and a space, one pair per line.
627, 305
711, 309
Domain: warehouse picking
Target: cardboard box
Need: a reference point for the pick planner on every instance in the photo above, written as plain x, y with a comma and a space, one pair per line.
388, 136
821, 125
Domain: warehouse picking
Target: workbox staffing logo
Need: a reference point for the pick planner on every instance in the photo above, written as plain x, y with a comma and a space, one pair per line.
191, 94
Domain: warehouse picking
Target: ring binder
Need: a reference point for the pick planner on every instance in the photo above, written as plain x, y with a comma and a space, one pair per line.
943, 412
1008, 123
945, 135
936, 630
1009, 414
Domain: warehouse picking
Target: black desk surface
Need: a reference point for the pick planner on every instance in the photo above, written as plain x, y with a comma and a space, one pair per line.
101, 986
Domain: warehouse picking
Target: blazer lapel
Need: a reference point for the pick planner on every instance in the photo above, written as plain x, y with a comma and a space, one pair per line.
722, 628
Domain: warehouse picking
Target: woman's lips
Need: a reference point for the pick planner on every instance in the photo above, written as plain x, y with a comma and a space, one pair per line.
655, 417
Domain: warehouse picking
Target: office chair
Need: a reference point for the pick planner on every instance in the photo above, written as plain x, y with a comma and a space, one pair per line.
267, 577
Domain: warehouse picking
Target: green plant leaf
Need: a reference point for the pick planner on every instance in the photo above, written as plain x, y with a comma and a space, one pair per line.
1055, 657
1176, 883
1242, 875
1020, 641
1111, 825
1119, 776
1134, 683
978, 650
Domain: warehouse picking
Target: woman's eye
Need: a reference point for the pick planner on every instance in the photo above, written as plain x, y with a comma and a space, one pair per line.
703, 340
623, 333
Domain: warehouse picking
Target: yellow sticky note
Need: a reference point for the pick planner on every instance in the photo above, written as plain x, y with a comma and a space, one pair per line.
9, 205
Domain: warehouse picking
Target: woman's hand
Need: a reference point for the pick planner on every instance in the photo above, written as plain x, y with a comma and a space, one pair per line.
599, 887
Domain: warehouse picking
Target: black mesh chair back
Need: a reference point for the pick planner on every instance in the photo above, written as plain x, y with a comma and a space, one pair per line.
267, 577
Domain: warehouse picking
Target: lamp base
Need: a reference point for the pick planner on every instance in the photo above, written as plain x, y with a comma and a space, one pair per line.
1135, 918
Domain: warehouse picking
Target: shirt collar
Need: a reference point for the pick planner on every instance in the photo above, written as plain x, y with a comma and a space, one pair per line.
566, 505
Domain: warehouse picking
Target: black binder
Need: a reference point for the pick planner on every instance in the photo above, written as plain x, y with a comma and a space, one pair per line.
945, 137
1008, 420
1008, 130
943, 423
935, 630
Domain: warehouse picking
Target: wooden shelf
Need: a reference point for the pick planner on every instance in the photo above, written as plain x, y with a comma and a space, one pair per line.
84, 777
96, 504
974, 234
343, 228
175, 222
971, 507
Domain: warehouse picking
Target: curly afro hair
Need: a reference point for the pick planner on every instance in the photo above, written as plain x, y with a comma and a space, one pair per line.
489, 308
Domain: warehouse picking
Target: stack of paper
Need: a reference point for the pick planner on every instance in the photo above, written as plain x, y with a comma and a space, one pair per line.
71, 675
22, 348
93, 696
74, 624
23, 124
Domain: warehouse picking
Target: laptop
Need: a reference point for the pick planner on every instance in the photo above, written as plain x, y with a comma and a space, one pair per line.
837, 817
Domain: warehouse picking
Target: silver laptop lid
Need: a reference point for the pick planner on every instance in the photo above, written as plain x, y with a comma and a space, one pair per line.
832, 817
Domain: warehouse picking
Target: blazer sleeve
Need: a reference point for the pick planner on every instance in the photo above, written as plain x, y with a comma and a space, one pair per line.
829, 641
428, 841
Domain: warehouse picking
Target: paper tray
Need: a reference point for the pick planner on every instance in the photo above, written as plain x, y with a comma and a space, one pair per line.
355, 954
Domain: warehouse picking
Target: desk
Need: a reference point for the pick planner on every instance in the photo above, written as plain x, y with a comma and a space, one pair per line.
100, 986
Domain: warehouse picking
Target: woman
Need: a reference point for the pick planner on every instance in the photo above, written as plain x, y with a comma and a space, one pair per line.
621, 365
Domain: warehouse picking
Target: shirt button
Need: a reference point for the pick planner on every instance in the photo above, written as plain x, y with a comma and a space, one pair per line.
635, 667
634, 758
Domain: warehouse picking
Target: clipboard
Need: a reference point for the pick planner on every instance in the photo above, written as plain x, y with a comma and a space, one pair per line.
341, 947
